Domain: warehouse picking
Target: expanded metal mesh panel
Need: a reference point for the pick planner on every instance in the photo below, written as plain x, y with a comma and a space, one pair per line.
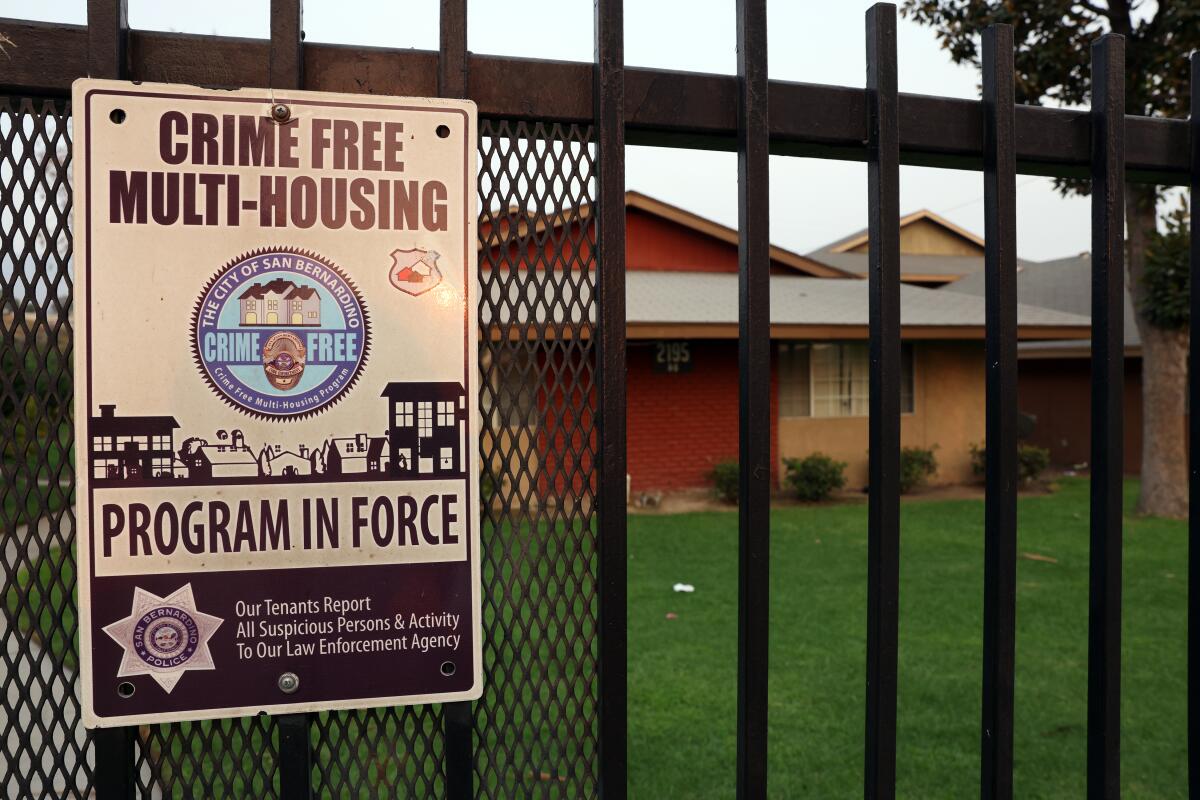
536, 725
44, 751
221, 758
536, 731
379, 752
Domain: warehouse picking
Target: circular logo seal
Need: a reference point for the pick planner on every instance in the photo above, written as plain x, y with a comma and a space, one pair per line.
280, 333
166, 637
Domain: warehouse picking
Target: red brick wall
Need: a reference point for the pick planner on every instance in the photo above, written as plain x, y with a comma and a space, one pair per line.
681, 424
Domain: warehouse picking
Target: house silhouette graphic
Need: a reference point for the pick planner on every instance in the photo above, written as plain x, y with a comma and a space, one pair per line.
279, 302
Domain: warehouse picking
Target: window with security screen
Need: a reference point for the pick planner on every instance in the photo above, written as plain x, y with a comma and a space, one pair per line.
831, 379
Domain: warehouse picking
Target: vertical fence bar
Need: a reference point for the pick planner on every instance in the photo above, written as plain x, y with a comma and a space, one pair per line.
754, 398
1000, 528
286, 71
883, 514
107, 30
295, 757
452, 53
609, 97
1108, 373
287, 44
460, 752
457, 721
114, 763
108, 24
1194, 453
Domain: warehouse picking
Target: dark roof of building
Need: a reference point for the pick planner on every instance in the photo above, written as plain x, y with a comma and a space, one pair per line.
303, 292
1064, 284
226, 453
423, 390
258, 290
347, 447
131, 426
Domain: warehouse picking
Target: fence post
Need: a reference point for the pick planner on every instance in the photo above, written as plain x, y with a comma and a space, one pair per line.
609, 120
295, 757
457, 718
883, 512
114, 763
1194, 472
286, 68
286, 71
1000, 509
754, 398
1108, 381
107, 28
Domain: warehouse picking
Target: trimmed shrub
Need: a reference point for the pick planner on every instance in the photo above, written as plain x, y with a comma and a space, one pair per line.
725, 478
815, 477
1032, 461
978, 460
917, 466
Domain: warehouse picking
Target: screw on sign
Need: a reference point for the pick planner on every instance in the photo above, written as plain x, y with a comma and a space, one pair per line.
301, 505
289, 682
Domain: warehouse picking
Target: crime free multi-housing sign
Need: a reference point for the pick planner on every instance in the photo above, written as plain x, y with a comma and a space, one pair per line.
276, 405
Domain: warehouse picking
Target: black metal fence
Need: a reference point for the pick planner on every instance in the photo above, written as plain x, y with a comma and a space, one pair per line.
552, 720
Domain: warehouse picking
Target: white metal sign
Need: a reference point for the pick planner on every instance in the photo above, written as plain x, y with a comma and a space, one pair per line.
276, 401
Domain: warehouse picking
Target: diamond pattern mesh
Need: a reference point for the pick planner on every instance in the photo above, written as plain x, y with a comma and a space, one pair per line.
536, 727
219, 758
44, 751
379, 752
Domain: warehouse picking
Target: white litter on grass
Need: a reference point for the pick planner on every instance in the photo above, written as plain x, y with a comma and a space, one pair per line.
684, 587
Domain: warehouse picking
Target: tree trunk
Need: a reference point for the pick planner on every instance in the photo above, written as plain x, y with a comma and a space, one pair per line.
1164, 379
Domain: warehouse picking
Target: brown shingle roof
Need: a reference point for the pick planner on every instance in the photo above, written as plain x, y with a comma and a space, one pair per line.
303, 292
258, 290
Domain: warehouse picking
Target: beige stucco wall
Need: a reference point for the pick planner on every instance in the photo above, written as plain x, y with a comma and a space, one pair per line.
948, 411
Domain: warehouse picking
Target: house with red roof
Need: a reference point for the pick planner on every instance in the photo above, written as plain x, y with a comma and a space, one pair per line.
682, 359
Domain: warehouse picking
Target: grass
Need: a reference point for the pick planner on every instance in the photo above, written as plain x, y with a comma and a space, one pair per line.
682, 671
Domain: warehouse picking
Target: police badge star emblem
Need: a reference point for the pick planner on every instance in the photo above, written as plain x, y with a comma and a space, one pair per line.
415, 271
163, 637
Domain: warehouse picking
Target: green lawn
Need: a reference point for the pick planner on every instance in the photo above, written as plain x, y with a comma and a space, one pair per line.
682, 671
682, 694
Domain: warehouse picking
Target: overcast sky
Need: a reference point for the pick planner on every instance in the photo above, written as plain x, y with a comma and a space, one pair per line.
812, 201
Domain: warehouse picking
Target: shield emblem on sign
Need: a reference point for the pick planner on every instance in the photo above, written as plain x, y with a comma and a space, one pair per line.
415, 271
